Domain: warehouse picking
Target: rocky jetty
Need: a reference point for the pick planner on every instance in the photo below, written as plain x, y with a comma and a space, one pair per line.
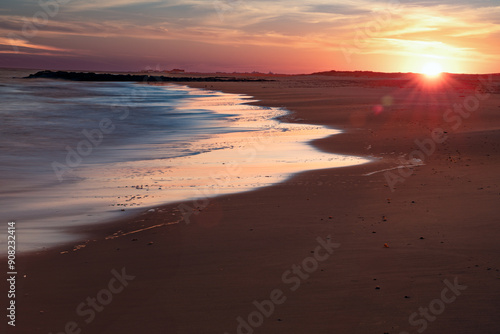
90, 76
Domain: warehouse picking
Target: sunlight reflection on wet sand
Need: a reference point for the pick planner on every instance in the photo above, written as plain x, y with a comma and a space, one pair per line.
262, 151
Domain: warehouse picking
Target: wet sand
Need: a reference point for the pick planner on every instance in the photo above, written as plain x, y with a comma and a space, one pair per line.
173, 144
423, 257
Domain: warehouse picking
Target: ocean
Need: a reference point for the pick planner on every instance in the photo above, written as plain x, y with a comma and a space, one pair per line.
77, 153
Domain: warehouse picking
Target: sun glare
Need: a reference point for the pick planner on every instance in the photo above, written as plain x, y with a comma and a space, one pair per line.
432, 69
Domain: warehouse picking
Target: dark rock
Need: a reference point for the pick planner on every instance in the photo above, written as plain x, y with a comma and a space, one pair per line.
90, 76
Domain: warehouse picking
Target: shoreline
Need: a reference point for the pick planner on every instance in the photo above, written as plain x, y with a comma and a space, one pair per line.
252, 149
438, 223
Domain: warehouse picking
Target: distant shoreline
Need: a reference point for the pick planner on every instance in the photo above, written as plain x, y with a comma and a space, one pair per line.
234, 76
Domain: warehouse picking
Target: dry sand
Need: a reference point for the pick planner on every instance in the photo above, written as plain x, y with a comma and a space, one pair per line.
440, 224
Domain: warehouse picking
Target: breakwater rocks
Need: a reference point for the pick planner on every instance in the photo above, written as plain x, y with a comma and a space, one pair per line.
90, 76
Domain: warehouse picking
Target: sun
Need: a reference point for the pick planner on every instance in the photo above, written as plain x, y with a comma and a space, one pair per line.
432, 69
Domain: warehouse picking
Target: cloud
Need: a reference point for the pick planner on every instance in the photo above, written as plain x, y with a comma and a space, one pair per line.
465, 3
424, 48
14, 45
339, 9
449, 28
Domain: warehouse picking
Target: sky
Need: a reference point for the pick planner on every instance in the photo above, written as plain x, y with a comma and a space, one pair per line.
289, 36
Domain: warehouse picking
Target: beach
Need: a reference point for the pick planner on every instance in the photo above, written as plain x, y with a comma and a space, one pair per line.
404, 244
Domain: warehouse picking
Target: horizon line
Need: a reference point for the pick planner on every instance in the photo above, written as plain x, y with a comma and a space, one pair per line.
235, 72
